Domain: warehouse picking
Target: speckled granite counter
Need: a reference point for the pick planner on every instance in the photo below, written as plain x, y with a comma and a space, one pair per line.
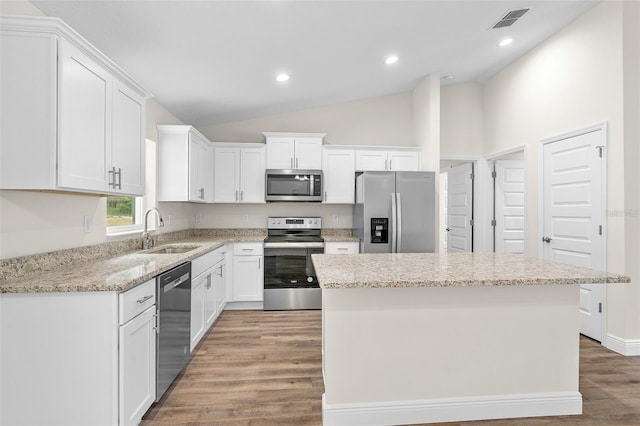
453, 269
116, 273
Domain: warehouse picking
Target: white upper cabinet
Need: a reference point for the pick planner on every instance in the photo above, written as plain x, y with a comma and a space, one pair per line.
67, 102
391, 159
338, 170
239, 173
185, 164
294, 150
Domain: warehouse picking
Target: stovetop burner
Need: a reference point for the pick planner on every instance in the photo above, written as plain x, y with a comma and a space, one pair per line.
294, 229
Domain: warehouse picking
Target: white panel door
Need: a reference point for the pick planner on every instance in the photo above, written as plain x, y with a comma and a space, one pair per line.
509, 206
226, 171
84, 121
128, 146
280, 152
572, 215
252, 168
371, 160
137, 359
460, 208
339, 178
404, 161
308, 153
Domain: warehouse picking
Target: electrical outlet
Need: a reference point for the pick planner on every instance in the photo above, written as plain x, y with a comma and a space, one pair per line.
245, 218
336, 218
87, 224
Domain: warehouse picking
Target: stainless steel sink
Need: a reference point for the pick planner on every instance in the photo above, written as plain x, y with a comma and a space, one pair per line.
173, 249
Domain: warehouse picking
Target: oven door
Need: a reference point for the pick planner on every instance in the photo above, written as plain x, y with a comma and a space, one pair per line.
290, 267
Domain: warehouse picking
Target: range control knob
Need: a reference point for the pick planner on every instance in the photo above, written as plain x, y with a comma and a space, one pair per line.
309, 279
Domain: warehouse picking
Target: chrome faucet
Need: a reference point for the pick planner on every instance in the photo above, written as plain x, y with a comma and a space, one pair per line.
147, 241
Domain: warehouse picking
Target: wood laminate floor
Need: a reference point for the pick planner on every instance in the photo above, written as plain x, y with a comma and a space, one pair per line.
264, 368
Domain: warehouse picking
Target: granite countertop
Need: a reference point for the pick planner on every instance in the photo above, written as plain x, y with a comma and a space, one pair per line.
340, 239
117, 273
448, 270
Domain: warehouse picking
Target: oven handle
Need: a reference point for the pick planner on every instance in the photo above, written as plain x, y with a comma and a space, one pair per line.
293, 245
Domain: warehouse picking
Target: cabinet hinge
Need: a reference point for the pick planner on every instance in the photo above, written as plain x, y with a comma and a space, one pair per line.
471, 222
494, 174
599, 229
493, 222
600, 148
471, 176
600, 308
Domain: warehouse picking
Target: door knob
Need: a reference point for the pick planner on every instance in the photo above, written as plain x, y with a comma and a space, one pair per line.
546, 239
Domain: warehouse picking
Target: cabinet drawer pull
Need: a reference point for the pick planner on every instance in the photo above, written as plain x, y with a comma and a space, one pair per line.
343, 248
144, 299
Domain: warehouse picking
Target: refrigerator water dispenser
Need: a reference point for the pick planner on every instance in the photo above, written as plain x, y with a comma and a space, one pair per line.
379, 230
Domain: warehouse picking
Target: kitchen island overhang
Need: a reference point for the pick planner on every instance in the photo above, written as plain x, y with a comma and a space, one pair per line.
425, 338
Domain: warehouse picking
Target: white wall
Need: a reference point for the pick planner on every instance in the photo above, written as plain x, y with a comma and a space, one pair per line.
572, 81
461, 120
380, 121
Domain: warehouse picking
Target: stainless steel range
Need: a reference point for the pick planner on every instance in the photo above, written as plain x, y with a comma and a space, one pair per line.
289, 277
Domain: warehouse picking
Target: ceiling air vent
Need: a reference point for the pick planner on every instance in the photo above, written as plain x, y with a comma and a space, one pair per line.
511, 17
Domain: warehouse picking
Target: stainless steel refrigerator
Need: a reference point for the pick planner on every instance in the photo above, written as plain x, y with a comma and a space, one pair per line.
395, 212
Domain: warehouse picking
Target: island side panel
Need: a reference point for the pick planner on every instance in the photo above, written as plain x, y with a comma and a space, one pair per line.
393, 345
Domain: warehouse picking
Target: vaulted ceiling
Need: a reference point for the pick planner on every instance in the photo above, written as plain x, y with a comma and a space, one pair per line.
216, 61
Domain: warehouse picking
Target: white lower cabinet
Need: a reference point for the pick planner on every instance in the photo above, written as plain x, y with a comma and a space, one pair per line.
341, 247
207, 298
248, 272
197, 308
78, 358
137, 367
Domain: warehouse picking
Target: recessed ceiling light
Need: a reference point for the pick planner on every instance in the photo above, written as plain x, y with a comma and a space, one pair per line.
505, 42
391, 60
282, 77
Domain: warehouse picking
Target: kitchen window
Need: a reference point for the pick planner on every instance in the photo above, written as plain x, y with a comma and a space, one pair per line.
124, 213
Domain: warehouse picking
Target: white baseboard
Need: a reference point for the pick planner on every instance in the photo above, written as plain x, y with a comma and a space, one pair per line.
244, 306
622, 346
451, 409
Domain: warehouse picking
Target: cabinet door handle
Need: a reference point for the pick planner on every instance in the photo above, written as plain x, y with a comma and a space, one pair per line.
119, 178
291, 162
144, 299
112, 177
259, 263
157, 323
386, 163
236, 195
296, 162
201, 191
325, 195
241, 195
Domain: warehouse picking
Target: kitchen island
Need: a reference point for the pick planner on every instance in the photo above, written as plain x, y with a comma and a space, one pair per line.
425, 337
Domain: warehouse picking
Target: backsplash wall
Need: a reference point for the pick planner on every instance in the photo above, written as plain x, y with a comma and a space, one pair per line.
231, 215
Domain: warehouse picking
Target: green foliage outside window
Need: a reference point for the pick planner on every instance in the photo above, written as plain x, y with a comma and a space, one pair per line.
121, 211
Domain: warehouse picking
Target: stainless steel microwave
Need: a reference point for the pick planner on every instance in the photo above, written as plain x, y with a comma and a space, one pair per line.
293, 185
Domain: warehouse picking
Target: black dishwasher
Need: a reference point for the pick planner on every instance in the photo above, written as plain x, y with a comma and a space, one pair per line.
174, 325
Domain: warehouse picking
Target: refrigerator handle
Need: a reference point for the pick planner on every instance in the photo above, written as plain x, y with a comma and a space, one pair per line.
399, 224
394, 218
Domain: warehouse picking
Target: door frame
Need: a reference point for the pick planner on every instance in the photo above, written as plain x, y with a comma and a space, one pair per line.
603, 127
490, 159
